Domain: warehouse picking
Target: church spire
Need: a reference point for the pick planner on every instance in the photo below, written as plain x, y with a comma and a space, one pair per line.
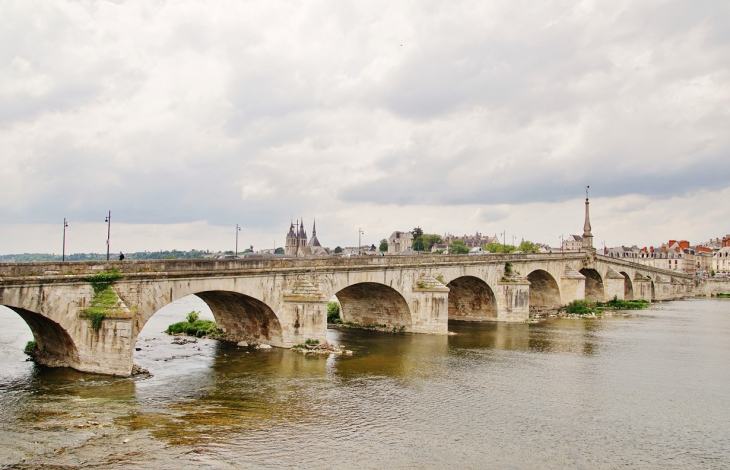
587, 235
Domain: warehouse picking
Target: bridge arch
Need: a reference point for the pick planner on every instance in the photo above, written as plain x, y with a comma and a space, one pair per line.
594, 285
241, 316
628, 286
55, 347
471, 299
372, 303
544, 289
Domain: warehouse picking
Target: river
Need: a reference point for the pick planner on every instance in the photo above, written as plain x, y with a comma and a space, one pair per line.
643, 390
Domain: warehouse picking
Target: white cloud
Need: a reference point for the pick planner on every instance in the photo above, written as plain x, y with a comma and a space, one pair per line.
450, 115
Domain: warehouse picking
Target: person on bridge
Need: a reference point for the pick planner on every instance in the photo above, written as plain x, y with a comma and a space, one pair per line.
121, 256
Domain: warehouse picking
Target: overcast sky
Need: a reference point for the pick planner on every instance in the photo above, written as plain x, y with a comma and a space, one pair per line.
186, 117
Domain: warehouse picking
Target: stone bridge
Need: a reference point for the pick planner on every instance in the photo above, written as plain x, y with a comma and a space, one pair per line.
283, 302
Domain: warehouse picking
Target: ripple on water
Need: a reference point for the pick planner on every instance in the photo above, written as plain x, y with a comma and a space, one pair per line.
646, 390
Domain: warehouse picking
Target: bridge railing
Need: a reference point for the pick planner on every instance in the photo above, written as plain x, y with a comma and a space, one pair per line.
644, 267
76, 268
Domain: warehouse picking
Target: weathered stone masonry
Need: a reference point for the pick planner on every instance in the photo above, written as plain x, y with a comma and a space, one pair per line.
283, 302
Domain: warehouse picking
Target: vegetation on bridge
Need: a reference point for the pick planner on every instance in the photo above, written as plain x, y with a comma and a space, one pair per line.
105, 301
193, 326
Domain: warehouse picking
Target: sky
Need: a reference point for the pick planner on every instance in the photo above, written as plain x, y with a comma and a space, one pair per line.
184, 118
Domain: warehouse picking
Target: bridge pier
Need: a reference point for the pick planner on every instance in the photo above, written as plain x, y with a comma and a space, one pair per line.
613, 285
572, 286
107, 351
663, 289
643, 288
513, 300
303, 315
429, 307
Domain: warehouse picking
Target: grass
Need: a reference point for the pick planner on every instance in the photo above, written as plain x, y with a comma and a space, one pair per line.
616, 304
584, 307
104, 303
721, 296
193, 326
101, 281
105, 300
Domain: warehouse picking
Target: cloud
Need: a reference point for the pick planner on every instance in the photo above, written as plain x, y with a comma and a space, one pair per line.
180, 112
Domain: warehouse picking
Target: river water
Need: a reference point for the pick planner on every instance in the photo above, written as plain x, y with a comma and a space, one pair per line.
646, 390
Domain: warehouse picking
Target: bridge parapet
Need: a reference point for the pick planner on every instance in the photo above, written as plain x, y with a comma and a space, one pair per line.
72, 269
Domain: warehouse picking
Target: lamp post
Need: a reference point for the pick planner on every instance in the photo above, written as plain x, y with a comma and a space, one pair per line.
561, 243
238, 229
359, 242
504, 241
108, 221
65, 224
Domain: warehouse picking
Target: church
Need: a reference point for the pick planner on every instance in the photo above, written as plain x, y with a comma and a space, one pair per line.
297, 244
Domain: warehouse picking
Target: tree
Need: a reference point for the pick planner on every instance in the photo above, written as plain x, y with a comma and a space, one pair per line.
458, 248
499, 248
528, 247
338, 249
417, 232
372, 247
279, 251
418, 244
430, 239
383, 245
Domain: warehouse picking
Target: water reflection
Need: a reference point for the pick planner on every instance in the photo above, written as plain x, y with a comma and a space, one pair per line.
513, 395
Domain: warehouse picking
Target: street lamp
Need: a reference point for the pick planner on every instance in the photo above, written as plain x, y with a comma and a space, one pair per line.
504, 241
65, 224
108, 221
238, 229
359, 242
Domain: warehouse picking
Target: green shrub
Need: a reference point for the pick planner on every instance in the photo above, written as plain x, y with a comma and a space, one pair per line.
616, 304
198, 328
101, 281
312, 342
333, 312
193, 316
30, 348
508, 269
580, 307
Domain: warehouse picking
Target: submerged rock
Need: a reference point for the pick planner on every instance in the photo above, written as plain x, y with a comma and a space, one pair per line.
242, 344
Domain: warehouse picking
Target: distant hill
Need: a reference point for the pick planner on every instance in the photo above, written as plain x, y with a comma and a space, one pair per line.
174, 254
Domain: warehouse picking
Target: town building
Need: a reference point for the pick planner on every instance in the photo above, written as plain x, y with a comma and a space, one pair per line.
623, 252
298, 245
471, 241
399, 242
721, 260
573, 243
